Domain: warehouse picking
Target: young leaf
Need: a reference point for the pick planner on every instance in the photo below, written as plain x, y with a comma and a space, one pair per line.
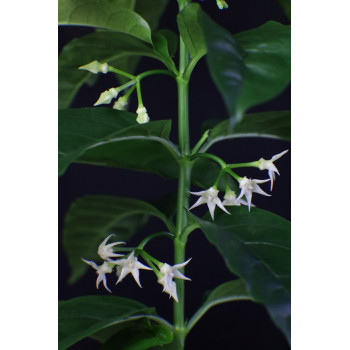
81, 317
103, 46
256, 246
275, 124
107, 14
91, 219
250, 67
161, 47
88, 133
228, 291
191, 30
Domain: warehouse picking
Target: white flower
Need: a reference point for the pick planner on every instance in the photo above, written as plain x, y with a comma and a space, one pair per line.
168, 273
248, 186
121, 103
231, 199
142, 116
101, 272
129, 265
268, 165
209, 197
95, 67
107, 96
105, 251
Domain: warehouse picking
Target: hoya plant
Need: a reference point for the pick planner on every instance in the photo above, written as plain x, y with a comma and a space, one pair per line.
220, 199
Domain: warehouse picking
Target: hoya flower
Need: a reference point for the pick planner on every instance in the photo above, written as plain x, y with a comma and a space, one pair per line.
95, 67
268, 165
105, 251
230, 199
121, 103
221, 4
107, 96
142, 116
101, 271
169, 272
129, 265
209, 197
248, 186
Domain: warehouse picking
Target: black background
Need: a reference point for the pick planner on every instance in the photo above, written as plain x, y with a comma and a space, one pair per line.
238, 325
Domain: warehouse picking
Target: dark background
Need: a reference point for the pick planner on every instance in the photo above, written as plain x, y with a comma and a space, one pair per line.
238, 325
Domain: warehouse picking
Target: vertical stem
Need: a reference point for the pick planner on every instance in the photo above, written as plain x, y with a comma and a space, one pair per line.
183, 189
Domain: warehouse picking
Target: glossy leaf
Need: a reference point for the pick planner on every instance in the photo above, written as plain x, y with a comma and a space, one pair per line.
256, 247
88, 133
250, 67
151, 11
107, 14
275, 124
102, 46
91, 219
228, 291
191, 30
139, 335
81, 317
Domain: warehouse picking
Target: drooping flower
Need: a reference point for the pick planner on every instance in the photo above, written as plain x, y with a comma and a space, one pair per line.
209, 197
230, 199
268, 165
101, 271
107, 96
142, 115
105, 251
129, 265
248, 186
95, 67
121, 103
169, 272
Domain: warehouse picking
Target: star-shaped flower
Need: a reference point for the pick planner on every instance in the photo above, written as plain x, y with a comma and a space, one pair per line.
105, 251
231, 199
130, 265
209, 197
169, 272
248, 186
101, 271
95, 67
268, 165
142, 115
107, 96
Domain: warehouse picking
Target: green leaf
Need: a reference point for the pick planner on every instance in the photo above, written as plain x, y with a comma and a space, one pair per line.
191, 30
107, 14
172, 40
102, 46
256, 247
250, 67
81, 317
91, 219
275, 124
151, 11
285, 4
228, 291
139, 335
161, 47
110, 137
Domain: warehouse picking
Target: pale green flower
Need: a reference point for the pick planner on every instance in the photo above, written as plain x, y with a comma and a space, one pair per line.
142, 116
107, 96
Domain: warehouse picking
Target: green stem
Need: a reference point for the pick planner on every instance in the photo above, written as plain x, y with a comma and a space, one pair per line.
244, 165
139, 95
213, 157
118, 71
154, 72
183, 190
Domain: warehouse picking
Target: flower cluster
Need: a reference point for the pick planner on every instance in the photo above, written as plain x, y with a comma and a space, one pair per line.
247, 187
130, 265
107, 96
